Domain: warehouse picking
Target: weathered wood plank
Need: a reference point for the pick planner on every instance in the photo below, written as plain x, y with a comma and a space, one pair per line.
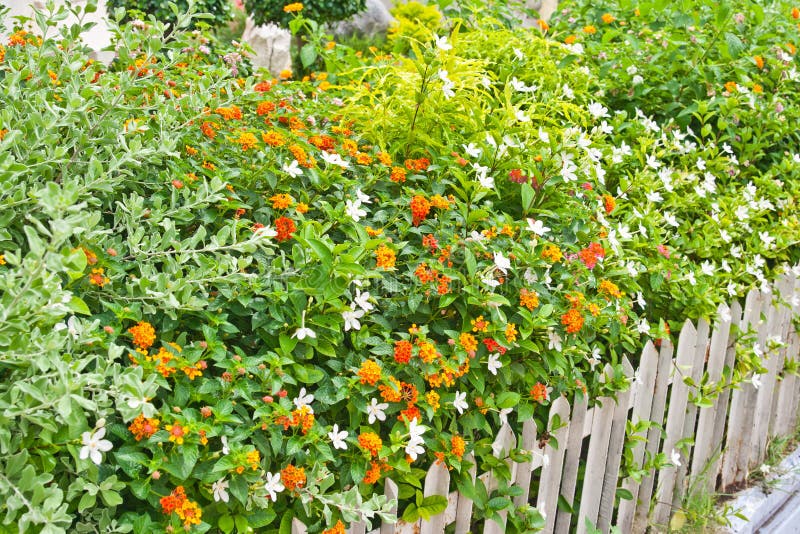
464, 506
503, 443
724, 401
569, 475
785, 381
705, 448
737, 418
298, 527
596, 460
699, 364
772, 361
391, 493
525, 469
676, 415
550, 479
643, 392
640, 521
616, 441
437, 482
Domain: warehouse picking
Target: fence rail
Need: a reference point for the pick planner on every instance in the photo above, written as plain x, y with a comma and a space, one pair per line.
729, 437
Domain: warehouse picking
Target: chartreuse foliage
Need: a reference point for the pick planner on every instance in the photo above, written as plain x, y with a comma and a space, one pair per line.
218, 292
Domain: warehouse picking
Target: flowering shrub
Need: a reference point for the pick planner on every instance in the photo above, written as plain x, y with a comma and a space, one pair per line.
281, 12
220, 290
219, 10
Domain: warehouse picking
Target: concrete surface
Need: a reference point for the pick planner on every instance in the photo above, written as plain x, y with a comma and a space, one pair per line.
772, 507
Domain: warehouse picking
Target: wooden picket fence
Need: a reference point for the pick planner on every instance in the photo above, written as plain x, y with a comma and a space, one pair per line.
730, 437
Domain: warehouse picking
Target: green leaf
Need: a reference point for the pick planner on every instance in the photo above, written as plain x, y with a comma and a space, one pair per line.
498, 503
225, 524
308, 55
431, 506
508, 399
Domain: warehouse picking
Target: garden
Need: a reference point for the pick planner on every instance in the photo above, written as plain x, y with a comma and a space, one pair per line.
231, 300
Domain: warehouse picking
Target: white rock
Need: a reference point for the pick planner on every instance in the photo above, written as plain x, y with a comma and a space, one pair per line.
271, 44
375, 19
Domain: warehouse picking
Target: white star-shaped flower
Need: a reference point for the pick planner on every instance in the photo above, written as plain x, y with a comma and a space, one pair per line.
293, 169
337, 438
219, 488
442, 44
351, 319
94, 445
303, 399
502, 263
460, 402
375, 411
273, 485
494, 363
353, 210
537, 227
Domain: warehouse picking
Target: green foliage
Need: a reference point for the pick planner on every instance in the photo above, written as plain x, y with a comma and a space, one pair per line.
218, 11
321, 11
414, 22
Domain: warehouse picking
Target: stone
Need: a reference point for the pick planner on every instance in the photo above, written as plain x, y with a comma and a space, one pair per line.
271, 44
374, 20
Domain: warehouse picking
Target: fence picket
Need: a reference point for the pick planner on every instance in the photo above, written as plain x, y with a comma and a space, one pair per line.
699, 364
738, 412
642, 402
783, 354
391, 492
569, 475
596, 460
616, 442
437, 482
654, 433
773, 360
524, 470
786, 403
549, 481
705, 447
298, 527
504, 442
464, 505
676, 415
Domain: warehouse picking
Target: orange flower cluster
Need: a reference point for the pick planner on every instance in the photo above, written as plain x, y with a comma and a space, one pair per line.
539, 392
143, 427
293, 477
609, 203
262, 87
373, 474
402, 351
468, 341
427, 351
511, 332
608, 18
759, 61
609, 289
429, 241
572, 320
370, 442
273, 138
338, 528
591, 254
479, 324
247, 140
386, 257
458, 446
281, 201
98, 278
144, 335
369, 373
209, 129
302, 418
731, 87
301, 156
293, 7
432, 398
285, 227
417, 165
188, 511
589, 30
528, 299
398, 175
420, 207
176, 433
552, 253
230, 113
253, 459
